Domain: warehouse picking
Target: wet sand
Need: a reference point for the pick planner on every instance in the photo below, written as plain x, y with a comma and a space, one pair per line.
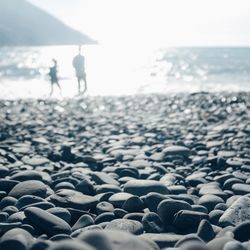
132, 172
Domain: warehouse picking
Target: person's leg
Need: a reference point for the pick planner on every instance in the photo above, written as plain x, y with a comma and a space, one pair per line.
85, 85
79, 84
58, 85
51, 89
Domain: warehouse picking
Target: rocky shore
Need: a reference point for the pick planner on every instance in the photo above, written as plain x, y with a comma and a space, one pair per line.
121, 173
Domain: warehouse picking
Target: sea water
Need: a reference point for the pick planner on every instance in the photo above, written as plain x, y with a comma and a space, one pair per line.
116, 70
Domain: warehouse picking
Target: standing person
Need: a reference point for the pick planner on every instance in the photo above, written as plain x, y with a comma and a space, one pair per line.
79, 65
54, 77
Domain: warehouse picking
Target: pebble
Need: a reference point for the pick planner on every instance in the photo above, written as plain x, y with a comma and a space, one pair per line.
210, 201
242, 231
16, 238
241, 189
116, 240
238, 212
152, 223
30, 187
133, 204
186, 220
73, 199
70, 245
126, 225
46, 222
205, 231
143, 187
168, 208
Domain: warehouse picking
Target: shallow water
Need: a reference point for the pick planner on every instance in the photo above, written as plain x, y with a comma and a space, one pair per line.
117, 71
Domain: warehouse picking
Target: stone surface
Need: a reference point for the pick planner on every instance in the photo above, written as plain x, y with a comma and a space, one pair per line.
168, 208
237, 213
30, 187
143, 187
46, 222
73, 199
131, 226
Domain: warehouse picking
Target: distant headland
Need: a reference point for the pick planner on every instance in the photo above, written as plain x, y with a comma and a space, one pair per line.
23, 24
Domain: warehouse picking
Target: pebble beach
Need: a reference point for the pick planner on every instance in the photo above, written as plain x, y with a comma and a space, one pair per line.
141, 172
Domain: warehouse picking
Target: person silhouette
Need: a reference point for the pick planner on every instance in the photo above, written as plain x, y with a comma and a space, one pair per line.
79, 65
54, 77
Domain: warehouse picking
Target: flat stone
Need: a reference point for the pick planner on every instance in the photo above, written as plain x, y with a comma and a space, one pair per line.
70, 245
177, 150
102, 178
30, 187
163, 240
73, 199
35, 160
46, 222
60, 212
27, 175
143, 187
131, 226
210, 201
118, 199
116, 240
237, 213
241, 189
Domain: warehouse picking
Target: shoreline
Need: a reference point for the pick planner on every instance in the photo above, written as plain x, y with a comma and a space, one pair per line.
154, 171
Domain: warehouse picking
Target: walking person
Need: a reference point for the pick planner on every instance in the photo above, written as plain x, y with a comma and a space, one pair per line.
79, 66
54, 77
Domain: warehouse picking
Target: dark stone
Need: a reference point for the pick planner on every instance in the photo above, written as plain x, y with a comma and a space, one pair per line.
104, 217
210, 201
27, 200
16, 239
103, 207
60, 212
134, 216
72, 199
186, 220
168, 208
205, 231
46, 222
133, 204
31, 187
215, 215
7, 201
143, 187
242, 231
84, 221
7, 185
152, 223
152, 200
118, 199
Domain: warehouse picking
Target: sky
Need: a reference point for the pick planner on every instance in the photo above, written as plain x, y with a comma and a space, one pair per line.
157, 22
